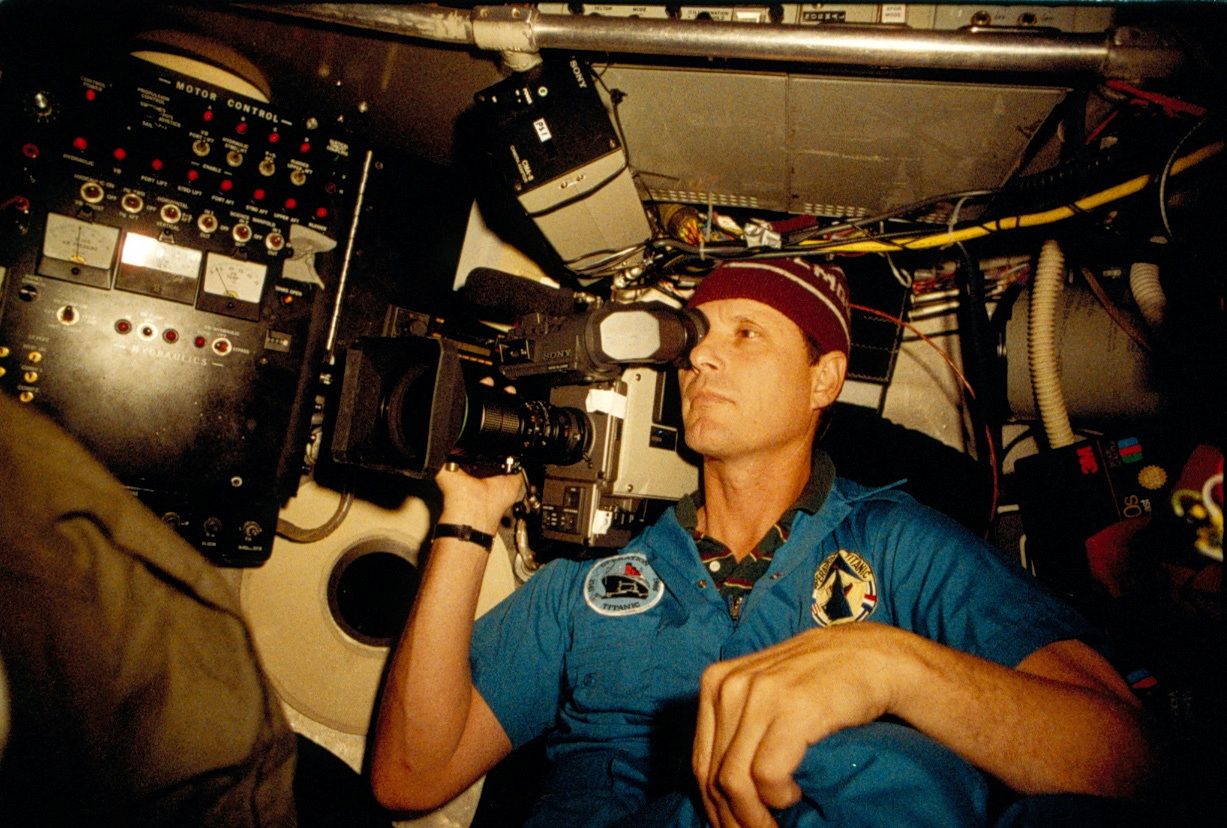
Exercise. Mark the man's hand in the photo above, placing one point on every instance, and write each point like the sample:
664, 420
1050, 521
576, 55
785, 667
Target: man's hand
479, 502
759, 713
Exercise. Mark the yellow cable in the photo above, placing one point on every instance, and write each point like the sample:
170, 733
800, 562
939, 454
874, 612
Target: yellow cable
1082, 205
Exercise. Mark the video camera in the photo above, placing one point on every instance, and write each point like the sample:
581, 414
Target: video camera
590, 405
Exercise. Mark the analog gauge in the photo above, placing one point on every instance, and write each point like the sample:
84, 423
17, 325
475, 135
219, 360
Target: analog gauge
80, 242
157, 268
146, 252
234, 278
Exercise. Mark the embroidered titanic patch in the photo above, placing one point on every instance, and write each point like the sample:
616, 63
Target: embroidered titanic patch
623, 585
845, 589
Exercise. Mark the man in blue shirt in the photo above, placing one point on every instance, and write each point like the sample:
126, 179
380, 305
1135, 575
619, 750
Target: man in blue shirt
783, 646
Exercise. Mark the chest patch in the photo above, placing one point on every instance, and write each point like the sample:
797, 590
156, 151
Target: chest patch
845, 589
623, 585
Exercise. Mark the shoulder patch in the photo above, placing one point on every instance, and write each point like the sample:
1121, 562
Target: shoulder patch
623, 585
845, 589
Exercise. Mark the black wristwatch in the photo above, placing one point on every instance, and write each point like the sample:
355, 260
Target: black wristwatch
463, 532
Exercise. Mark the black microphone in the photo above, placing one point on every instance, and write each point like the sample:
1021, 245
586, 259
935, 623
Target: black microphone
490, 288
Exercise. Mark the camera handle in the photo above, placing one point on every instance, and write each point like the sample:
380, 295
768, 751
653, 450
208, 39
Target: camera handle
524, 562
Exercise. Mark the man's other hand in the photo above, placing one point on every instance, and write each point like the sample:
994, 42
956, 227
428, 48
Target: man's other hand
759, 713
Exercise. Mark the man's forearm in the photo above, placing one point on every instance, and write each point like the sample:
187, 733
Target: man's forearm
427, 748
1062, 722
435, 734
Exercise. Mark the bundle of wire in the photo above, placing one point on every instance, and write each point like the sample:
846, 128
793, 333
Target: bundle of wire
832, 239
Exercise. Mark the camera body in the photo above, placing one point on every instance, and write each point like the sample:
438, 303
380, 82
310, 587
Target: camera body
636, 458
596, 408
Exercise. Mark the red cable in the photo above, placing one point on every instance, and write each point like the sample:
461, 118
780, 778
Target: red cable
971, 392
1171, 106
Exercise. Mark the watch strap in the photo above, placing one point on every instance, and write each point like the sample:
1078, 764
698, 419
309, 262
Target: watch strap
463, 532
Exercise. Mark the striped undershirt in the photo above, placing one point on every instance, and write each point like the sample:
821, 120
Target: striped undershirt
736, 579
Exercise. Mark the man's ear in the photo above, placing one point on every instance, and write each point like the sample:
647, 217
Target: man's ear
827, 378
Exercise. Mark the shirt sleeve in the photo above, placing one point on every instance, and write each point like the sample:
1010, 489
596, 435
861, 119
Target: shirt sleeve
518, 649
950, 586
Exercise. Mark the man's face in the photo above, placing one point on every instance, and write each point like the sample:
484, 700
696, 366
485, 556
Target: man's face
750, 387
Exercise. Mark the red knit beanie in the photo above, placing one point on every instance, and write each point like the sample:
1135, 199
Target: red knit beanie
815, 297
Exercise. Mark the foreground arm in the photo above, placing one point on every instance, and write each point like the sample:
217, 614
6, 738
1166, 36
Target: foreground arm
1063, 721
436, 735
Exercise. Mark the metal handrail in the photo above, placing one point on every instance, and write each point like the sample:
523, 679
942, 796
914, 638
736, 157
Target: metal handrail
523, 31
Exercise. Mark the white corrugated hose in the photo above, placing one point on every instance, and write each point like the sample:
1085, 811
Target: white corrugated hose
1148, 293
1042, 358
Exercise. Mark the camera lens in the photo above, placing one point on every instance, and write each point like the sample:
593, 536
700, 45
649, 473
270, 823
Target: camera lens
499, 425
435, 408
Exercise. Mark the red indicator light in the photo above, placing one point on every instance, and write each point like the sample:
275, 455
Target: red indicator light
90, 94
192, 175
30, 151
258, 195
241, 127
291, 203
123, 326
304, 147
274, 137
156, 163
120, 153
287, 299
227, 185
80, 144
208, 115
321, 212
200, 342
170, 335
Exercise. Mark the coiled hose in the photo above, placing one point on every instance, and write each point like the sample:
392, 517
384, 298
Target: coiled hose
1042, 358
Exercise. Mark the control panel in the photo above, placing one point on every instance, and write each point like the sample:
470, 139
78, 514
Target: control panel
169, 256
